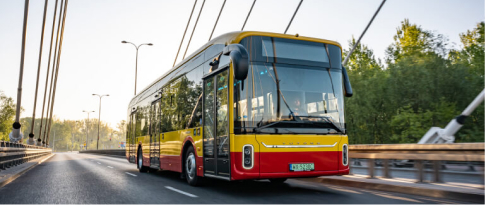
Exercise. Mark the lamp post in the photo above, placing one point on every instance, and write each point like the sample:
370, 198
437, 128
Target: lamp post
99, 118
136, 66
87, 129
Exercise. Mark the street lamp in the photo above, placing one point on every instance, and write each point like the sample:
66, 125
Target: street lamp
99, 118
137, 47
87, 129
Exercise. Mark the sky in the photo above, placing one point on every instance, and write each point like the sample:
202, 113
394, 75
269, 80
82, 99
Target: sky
93, 59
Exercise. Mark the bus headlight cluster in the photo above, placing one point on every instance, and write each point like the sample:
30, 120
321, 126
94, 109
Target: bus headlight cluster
248, 156
345, 155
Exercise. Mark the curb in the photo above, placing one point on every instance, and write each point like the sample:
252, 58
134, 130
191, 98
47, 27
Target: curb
26, 169
460, 196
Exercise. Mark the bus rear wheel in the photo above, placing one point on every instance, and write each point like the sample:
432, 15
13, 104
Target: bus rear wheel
190, 168
140, 166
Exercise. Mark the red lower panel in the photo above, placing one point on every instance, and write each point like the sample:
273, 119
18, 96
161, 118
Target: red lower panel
276, 165
237, 170
274, 162
172, 163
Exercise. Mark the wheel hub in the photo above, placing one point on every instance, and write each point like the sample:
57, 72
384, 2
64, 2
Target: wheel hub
190, 166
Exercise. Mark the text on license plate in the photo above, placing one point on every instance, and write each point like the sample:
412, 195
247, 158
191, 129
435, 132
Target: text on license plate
302, 167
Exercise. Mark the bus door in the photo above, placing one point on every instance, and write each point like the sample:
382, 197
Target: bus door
216, 126
131, 141
155, 135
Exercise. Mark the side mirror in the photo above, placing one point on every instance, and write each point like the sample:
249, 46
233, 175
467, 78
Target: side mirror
240, 59
347, 86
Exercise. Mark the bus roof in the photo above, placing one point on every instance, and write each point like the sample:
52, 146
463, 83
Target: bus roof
231, 38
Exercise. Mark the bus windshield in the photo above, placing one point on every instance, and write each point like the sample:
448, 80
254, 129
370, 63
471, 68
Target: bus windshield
309, 98
293, 86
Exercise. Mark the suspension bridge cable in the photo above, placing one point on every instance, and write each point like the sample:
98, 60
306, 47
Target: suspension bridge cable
57, 66
294, 14
192, 12
31, 135
16, 125
222, 7
247, 17
368, 25
195, 26
47, 120
39, 140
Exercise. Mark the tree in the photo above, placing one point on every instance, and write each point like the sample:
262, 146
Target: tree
7, 114
423, 85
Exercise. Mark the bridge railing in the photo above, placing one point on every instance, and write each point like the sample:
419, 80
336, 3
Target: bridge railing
419, 156
13, 154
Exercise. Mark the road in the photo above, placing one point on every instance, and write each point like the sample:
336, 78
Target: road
82, 178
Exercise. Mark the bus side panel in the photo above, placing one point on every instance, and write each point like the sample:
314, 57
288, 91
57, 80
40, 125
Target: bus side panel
170, 147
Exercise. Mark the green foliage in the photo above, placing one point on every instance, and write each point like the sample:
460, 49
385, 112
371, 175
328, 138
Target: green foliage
419, 88
7, 114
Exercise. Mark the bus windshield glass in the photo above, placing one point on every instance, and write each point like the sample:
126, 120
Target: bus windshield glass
287, 93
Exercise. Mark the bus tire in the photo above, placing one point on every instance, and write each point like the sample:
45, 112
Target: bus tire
190, 167
139, 163
278, 180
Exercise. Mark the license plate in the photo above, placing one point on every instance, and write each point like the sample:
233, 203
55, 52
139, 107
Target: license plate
302, 167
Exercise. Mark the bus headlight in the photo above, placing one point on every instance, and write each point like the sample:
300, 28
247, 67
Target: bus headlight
248, 156
345, 155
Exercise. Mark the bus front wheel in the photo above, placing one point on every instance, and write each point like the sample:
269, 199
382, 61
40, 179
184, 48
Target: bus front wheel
190, 167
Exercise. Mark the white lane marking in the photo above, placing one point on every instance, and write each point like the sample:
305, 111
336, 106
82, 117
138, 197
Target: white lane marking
110, 167
179, 191
130, 174
98, 162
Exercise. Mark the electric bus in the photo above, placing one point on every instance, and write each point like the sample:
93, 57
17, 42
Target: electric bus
246, 105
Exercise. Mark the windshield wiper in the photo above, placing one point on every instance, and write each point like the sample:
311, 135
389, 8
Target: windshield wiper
259, 128
327, 120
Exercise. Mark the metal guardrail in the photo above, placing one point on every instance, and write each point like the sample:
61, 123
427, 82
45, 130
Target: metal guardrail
13, 154
418, 154
117, 152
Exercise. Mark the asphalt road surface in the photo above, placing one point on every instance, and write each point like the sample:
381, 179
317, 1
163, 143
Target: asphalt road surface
82, 178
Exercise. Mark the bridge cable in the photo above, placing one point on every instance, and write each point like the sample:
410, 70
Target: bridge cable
47, 120
294, 14
247, 17
16, 125
57, 67
195, 26
224, 3
31, 135
39, 140
357, 43
184, 33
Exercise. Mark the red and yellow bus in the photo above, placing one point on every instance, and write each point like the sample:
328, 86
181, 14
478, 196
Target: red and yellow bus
247, 105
